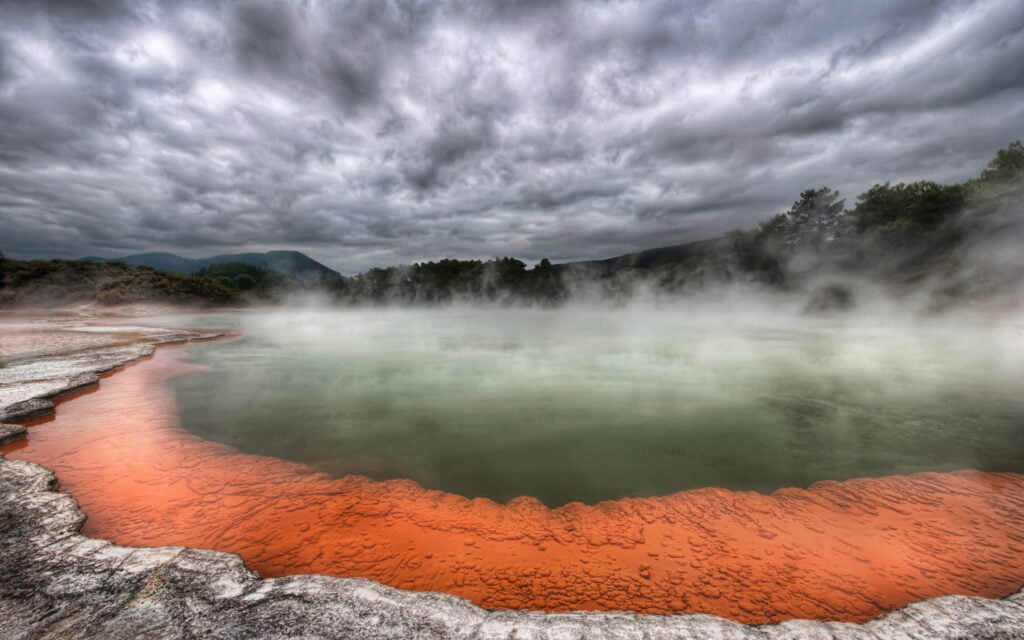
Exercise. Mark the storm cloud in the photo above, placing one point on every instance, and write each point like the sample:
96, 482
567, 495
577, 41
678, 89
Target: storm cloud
373, 133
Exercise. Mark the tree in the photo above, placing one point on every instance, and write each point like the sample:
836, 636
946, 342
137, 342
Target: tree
1001, 183
244, 277
903, 213
996, 194
245, 282
815, 219
1007, 165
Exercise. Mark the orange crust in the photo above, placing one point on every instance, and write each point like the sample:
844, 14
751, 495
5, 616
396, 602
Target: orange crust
845, 551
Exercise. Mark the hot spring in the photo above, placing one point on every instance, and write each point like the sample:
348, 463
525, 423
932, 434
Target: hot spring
758, 466
591, 405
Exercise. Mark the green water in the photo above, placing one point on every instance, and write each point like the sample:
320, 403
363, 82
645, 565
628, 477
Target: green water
587, 406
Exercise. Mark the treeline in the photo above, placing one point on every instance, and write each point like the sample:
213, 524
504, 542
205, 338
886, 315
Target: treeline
901, 236
61, 282
240, 277
946, 242
447, 280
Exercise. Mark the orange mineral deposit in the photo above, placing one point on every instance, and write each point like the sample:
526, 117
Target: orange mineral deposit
845, 551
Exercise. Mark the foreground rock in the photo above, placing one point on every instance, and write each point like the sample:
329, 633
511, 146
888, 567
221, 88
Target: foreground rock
10, 432
57, 583
54, 582
41, 361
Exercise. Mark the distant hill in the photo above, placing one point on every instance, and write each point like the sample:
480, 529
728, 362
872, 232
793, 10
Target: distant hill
289, 263
52, 283
646, 259
162, 261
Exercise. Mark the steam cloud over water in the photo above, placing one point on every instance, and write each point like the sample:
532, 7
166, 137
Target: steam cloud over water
589, 404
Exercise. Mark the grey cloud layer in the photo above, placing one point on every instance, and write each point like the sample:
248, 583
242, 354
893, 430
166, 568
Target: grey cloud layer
371, 133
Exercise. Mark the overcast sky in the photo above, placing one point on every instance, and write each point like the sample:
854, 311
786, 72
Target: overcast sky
374, 133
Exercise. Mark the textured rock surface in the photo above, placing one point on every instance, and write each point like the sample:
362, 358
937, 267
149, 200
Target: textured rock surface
40, 361
55, 582
10, 432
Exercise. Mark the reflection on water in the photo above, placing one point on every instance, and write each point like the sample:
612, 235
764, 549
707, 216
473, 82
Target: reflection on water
567, 406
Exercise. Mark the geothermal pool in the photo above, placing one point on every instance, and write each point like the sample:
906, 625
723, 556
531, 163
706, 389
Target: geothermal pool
592, 405
363, 443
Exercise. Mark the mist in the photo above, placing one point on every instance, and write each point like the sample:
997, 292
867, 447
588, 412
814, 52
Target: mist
832, 342
920, 248
587, 402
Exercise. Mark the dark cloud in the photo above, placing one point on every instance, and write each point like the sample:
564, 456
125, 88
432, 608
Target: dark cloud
266, 37
77, 9
376, 132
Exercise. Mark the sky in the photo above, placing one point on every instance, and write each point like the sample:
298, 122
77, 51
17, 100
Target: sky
376, 133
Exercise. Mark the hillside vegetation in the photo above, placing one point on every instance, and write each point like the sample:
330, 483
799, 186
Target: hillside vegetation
942, 243
60, 282
294, 265
939, 242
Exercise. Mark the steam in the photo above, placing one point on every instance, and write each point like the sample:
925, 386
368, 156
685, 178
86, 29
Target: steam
817, 258
737, 387
806, 351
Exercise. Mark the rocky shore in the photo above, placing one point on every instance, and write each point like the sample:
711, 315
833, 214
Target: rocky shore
55, 582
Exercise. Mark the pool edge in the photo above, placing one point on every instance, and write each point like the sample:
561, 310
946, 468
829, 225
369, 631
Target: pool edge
53, 580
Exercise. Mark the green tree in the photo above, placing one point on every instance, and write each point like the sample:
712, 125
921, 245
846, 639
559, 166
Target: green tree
904, 213
245, 282
1007, 165
814, 219
996, 194
225, 281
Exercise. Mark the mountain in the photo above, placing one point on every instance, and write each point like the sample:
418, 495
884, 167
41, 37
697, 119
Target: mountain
162, 261
289, 263
646, 259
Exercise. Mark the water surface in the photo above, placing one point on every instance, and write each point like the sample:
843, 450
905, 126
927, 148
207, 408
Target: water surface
587, 405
